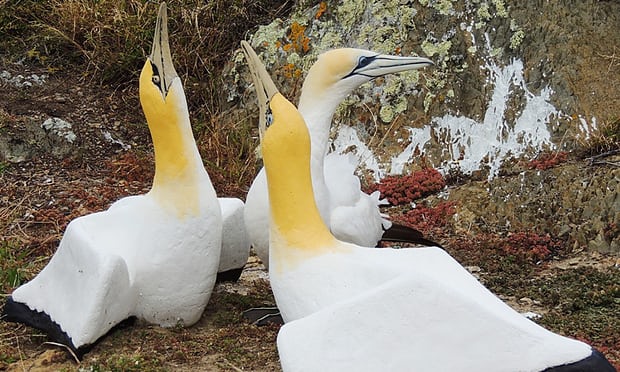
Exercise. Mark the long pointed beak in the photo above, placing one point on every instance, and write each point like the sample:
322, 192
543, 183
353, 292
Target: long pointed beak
383, 64
160, 57
265, 88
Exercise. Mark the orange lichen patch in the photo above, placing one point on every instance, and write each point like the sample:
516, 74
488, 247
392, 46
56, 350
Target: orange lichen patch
298, 41
290, 71
322, 9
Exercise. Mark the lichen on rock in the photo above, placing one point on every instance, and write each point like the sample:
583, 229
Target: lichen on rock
510, 80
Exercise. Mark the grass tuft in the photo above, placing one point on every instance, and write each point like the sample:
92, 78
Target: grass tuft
603, 139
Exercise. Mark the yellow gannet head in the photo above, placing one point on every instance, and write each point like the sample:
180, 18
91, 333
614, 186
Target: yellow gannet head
177, 161
344, 69
158, 74
282, 128
285, 145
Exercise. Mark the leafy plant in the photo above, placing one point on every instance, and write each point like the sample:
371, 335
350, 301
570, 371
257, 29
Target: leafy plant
403, 189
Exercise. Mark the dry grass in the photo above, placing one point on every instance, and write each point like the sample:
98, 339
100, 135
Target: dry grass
603, 138
111, 38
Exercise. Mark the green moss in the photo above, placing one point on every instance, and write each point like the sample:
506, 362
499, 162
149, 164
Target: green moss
428, 99
393, 87
444, 7
483, 12
401, 105
266, 37
410, 78
500, 8
407, 16
441, 48
386, 114
381, 38
350, 12
516, 39
293, 58
327, 41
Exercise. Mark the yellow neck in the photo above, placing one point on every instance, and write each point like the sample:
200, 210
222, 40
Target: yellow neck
176, 182
296, 224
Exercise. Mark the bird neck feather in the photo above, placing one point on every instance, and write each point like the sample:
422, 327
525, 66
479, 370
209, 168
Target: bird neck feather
296, 224
178, 167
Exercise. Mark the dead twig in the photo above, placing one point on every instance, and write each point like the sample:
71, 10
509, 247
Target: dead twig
593, 159
613, 164
77, 360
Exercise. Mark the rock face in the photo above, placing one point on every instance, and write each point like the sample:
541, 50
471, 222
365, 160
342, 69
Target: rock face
576, 201
512, 80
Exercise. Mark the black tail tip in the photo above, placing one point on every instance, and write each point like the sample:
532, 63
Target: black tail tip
18, 312
596, 362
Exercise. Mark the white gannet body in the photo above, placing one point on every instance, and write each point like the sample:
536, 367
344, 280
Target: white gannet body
349, 308
152, 256
235, 240
351, 214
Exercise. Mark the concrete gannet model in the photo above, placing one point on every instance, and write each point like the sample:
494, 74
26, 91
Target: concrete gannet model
152, 256
349, 308
351, 214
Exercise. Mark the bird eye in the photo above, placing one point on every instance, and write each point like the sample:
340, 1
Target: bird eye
156, 79
364, 61
268, 117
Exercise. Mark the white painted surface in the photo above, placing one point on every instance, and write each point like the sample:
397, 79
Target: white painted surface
235, 242
402, 310
471, 144
136, 258
153, 256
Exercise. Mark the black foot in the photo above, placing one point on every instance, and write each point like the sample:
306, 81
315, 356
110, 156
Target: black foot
229, 276
261, 316
18, 312
596, 362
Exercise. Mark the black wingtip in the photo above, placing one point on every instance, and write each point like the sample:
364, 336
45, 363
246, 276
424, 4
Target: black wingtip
18, 312
404, 234
596, 362
262, 316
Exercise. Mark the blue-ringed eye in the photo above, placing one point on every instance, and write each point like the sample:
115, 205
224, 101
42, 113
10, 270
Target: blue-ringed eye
364, 61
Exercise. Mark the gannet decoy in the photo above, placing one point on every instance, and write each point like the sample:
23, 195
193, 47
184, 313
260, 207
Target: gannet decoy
350, 308
235, 240
351, 214
152, 256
